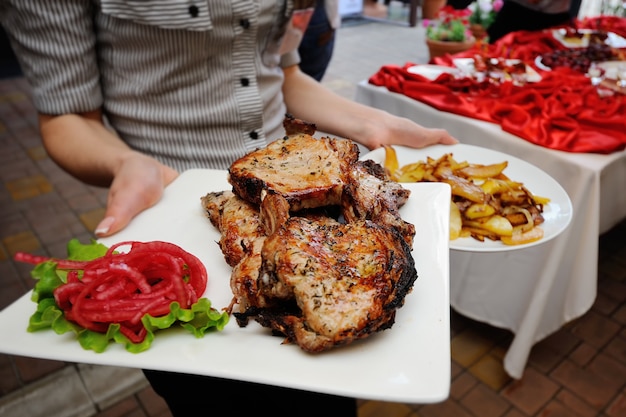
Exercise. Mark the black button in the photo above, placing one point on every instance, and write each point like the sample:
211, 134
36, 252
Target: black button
245, 82
254, 135
245, 23
194, 11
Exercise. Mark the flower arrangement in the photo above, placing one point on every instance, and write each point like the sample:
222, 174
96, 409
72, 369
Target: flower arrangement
483, 12
451, 25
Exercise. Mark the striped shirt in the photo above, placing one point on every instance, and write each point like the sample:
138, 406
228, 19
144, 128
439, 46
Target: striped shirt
193, 83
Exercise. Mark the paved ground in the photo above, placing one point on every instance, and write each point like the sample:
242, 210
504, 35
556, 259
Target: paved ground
578, 371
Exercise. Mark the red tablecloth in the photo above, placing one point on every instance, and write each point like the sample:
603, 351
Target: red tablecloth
562, 111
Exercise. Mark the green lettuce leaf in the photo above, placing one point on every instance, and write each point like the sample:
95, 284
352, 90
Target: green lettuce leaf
48, 277
77, 251
199, 320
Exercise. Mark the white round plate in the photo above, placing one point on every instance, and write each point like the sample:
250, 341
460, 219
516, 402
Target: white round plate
466, 65
613, 40
430, 71
557, 214
610, 68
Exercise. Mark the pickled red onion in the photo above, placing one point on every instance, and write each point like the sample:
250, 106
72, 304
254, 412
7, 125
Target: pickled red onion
121, 287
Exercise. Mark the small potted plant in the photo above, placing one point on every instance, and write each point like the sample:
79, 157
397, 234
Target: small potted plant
449, 33
430, 8
483, 13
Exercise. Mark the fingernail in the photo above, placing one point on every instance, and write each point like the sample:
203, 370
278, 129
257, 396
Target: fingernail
104, 226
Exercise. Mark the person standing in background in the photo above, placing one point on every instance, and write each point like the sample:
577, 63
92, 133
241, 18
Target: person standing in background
574, 8
528, 15
316, 48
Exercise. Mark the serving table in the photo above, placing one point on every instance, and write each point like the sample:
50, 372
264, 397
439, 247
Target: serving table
559, 124
534, 291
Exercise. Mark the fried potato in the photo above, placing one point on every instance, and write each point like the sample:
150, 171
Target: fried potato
412, 173
520, 237
456, 223
463, 188
476, 211
484, 171
495, 224
391, 161
485, 204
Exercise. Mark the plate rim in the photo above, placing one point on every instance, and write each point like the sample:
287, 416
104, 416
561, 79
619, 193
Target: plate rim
539, 63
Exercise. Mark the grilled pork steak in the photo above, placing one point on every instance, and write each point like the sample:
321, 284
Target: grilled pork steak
369, 194
317, 245
295, 126
237, 220
306, 171
347, 281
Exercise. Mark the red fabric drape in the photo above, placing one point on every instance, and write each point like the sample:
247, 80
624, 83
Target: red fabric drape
562, 111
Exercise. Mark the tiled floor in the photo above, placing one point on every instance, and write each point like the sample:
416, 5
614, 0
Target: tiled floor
578, 371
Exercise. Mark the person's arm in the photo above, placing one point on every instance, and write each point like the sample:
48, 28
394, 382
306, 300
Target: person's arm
55, 41
83, 146
309, 100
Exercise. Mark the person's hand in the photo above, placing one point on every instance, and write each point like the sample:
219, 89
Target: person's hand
138, 184
395, 130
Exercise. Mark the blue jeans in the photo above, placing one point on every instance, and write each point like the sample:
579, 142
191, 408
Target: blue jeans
317, 44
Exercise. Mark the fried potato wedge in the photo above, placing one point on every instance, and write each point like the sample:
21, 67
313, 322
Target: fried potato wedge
456, 223
486, 203
464, 188
494, 224
484, 171
533, 235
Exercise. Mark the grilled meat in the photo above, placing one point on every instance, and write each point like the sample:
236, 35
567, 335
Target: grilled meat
317, 245
238, 221
274, 211
295, 126
244, 282
346, 280
369, 194
306, 171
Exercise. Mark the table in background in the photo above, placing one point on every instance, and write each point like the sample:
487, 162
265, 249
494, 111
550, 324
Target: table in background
532, 291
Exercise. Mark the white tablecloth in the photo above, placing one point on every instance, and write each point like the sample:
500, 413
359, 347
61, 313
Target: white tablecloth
532, 291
